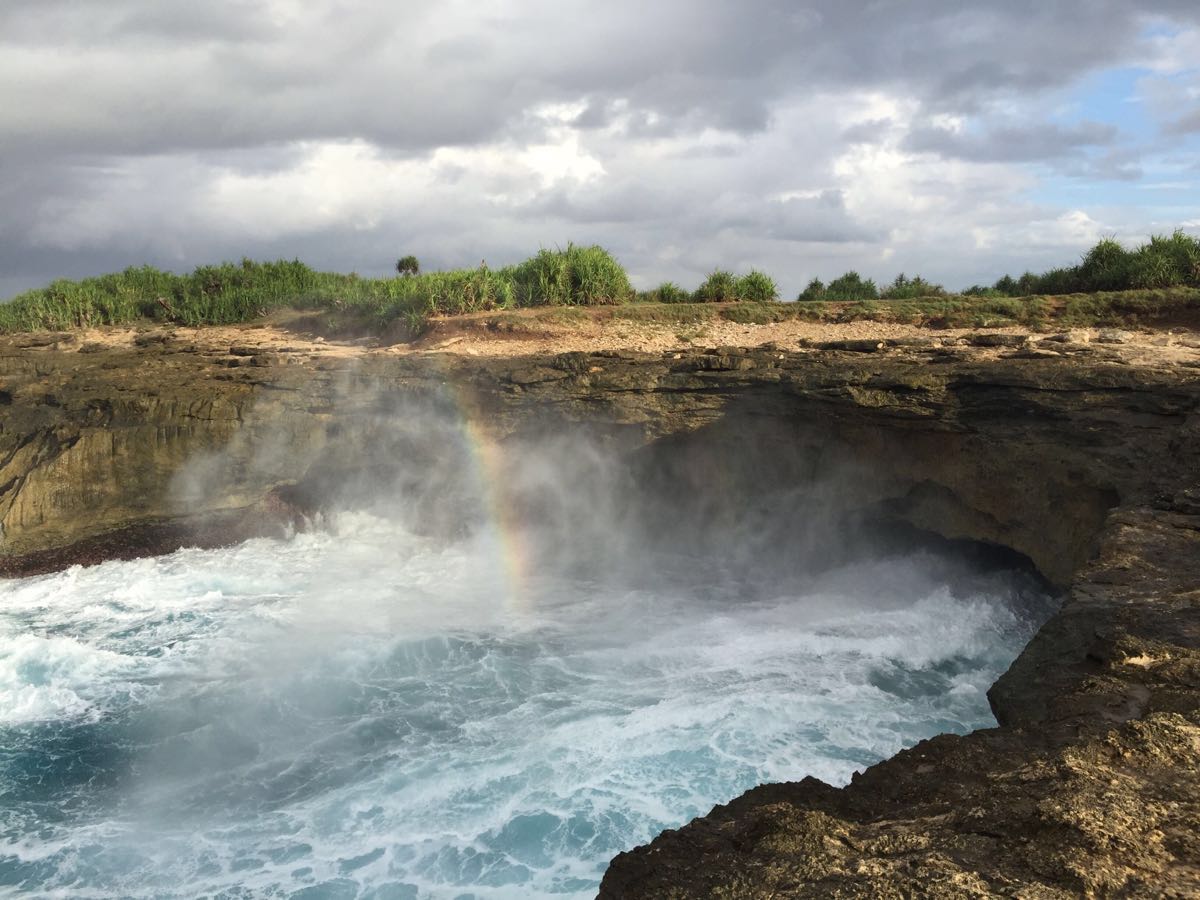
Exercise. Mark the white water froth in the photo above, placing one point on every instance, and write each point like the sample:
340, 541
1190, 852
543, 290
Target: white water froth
362, 712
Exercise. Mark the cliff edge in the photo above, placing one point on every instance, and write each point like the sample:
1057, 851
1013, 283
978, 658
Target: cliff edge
1079, 452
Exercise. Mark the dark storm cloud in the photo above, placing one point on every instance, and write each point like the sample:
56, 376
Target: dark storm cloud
1013, 143
687, 214
131, 76
120, 117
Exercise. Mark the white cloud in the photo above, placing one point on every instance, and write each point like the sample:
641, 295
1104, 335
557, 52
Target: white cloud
683, 135
1173, 50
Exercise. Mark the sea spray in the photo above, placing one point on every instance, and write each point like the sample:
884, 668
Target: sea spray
359, 712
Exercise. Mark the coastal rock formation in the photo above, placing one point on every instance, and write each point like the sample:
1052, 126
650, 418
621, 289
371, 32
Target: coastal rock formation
1090, 787
164, 440
1086, 460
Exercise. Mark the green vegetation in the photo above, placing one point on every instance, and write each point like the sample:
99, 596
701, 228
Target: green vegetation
722, 286
210, 295
757, 287
577, 276
667, 292
238, 292
698, 313
1158, 281
905, 288
814, 292
1163, 262
850, 286
1118, 309
719, 287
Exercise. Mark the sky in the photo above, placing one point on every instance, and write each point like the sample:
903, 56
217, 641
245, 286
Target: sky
956, 140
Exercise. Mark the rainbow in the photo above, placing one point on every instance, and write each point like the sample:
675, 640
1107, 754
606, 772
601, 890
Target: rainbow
487, 457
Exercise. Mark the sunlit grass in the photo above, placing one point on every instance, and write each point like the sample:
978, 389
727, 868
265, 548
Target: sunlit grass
239, 292
1168, 268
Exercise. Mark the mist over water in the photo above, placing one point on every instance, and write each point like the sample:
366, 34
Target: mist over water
490, 707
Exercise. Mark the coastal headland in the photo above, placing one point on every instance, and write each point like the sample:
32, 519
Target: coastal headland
1077, 449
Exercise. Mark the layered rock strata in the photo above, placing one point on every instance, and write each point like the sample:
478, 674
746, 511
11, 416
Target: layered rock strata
1086, 460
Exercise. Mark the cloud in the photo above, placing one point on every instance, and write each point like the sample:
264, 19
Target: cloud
1012, 143
681, 134
1185, 124
138, 76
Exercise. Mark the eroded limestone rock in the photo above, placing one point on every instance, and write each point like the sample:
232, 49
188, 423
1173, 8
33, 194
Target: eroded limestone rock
1086, 462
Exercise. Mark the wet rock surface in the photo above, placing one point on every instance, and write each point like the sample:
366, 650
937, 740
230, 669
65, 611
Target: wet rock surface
1024, 453
1090, 787
1085, 459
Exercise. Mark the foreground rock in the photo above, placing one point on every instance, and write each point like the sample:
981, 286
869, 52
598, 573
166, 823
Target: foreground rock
1084, 459
1091, 787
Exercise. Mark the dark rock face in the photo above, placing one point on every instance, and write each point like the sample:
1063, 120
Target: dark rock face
1026, 454
1086, 464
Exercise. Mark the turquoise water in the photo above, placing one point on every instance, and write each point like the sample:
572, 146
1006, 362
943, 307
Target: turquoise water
363, 712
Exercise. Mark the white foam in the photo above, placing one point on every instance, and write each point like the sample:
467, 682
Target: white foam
294, 706
47, 678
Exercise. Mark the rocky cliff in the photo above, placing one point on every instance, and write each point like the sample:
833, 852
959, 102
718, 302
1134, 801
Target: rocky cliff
1082, 457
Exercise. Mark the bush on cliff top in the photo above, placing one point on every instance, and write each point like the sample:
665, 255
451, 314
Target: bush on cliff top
230, 292
722, 286
1110, 285
577, 276
667, 292
851, 286
238, 292
1163, 262
905, 288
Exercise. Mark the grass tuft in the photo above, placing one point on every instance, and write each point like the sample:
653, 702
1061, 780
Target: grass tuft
722, 286
1111, 286
239, 292
1164, 262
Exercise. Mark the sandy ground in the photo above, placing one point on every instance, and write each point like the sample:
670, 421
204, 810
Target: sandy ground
474, 337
